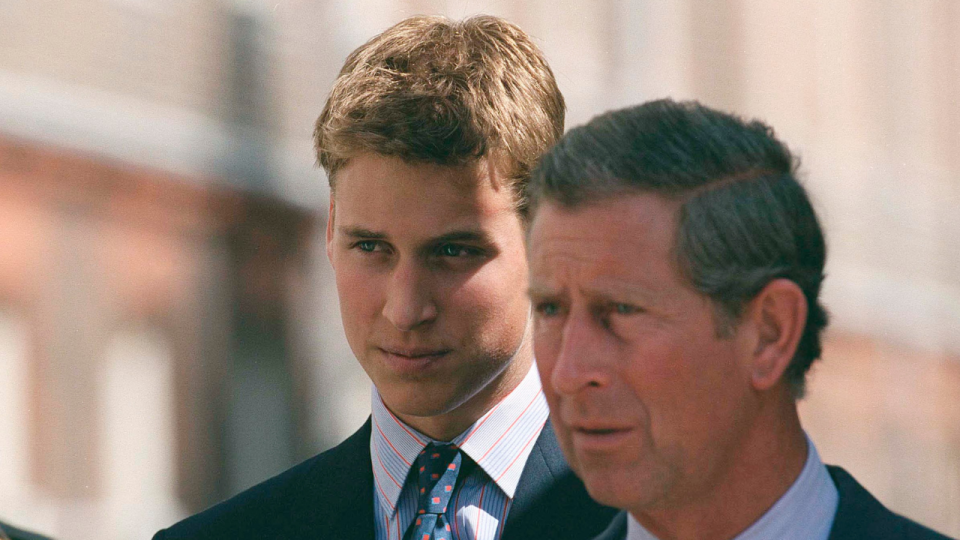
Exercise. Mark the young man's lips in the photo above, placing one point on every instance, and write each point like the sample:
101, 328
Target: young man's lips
414, 354
411, 362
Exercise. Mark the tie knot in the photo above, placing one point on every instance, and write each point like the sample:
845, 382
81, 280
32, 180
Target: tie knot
438, 466
434, 453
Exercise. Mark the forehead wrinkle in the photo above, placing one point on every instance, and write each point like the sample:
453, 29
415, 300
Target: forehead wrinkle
611, 286
608, 289
595, 287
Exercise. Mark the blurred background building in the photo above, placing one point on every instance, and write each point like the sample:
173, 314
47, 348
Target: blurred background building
169, 331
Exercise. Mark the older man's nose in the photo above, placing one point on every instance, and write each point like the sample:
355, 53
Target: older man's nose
580, 363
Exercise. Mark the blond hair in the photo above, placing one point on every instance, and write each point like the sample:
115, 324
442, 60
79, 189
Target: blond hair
430, 90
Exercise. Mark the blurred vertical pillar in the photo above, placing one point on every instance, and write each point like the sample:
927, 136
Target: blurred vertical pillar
71, 327
14, 425
682, 49
266, 248
654, 50
138, 422
716, 34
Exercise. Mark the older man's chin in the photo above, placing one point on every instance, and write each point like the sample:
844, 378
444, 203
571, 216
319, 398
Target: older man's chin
613, 486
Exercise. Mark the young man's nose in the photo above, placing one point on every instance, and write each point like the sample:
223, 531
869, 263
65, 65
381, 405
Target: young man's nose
409, 302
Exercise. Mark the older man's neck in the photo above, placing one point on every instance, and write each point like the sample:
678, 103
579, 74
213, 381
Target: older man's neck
760, 471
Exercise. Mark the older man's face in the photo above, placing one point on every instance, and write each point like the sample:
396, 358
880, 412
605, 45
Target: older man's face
647, 402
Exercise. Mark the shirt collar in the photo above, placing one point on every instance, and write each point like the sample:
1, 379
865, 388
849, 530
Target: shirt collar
804, 512
499, 441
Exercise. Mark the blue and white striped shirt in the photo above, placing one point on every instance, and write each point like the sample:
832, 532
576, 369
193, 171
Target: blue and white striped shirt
499, 443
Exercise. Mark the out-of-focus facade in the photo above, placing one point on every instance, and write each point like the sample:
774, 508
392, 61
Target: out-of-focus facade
169, 330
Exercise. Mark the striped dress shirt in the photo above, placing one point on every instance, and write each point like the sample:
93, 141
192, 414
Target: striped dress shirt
499, 443
804, 512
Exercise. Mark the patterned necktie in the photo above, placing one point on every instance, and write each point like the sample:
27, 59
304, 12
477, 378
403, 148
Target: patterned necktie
437, 470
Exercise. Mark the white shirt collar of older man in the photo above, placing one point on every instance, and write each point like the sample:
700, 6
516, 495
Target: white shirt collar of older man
499, 442
805, 512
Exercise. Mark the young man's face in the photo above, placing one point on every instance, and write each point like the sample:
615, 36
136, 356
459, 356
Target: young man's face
647, 402
432, 277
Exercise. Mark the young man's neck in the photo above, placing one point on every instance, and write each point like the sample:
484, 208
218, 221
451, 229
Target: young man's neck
765, 468
447, 426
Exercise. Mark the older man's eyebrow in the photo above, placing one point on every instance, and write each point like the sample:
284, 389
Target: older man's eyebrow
541, 291
618, 289
361, 232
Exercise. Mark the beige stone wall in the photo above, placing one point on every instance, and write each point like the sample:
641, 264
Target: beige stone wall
165, 53
890, 416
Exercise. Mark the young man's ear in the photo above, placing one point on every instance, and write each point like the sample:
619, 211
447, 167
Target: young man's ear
779, 315
330, 227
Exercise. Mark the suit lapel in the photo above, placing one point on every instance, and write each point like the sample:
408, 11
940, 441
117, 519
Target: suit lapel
617, 529
337, 499
350, 491
550, 501
534, 484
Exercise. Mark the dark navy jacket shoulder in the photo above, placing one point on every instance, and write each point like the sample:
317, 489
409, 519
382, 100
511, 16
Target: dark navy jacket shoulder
312, 500
330, 496
14, 533
860, 516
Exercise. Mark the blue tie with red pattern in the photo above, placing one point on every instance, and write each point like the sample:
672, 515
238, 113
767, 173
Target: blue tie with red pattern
437, 468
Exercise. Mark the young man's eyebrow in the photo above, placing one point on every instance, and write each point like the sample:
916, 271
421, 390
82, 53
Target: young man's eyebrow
461, 236
360, 232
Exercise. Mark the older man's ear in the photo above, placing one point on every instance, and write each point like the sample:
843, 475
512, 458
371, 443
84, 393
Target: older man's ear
778, 315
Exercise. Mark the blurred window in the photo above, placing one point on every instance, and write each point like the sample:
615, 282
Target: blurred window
14, 409
138, 434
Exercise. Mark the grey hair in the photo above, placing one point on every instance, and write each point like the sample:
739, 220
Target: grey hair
744, 220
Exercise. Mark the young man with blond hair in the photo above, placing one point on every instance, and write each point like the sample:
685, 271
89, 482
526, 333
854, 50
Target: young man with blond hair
428, 139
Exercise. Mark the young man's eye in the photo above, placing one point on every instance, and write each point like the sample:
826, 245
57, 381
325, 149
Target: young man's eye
454, 250
368, 246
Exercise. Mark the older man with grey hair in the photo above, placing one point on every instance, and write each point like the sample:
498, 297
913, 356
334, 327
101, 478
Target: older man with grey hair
676, 265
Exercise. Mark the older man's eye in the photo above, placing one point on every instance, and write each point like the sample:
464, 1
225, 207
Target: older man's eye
547, 309
625, 309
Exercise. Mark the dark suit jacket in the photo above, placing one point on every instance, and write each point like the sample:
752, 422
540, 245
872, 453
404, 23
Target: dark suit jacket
14, 533
330, 497
859, 517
